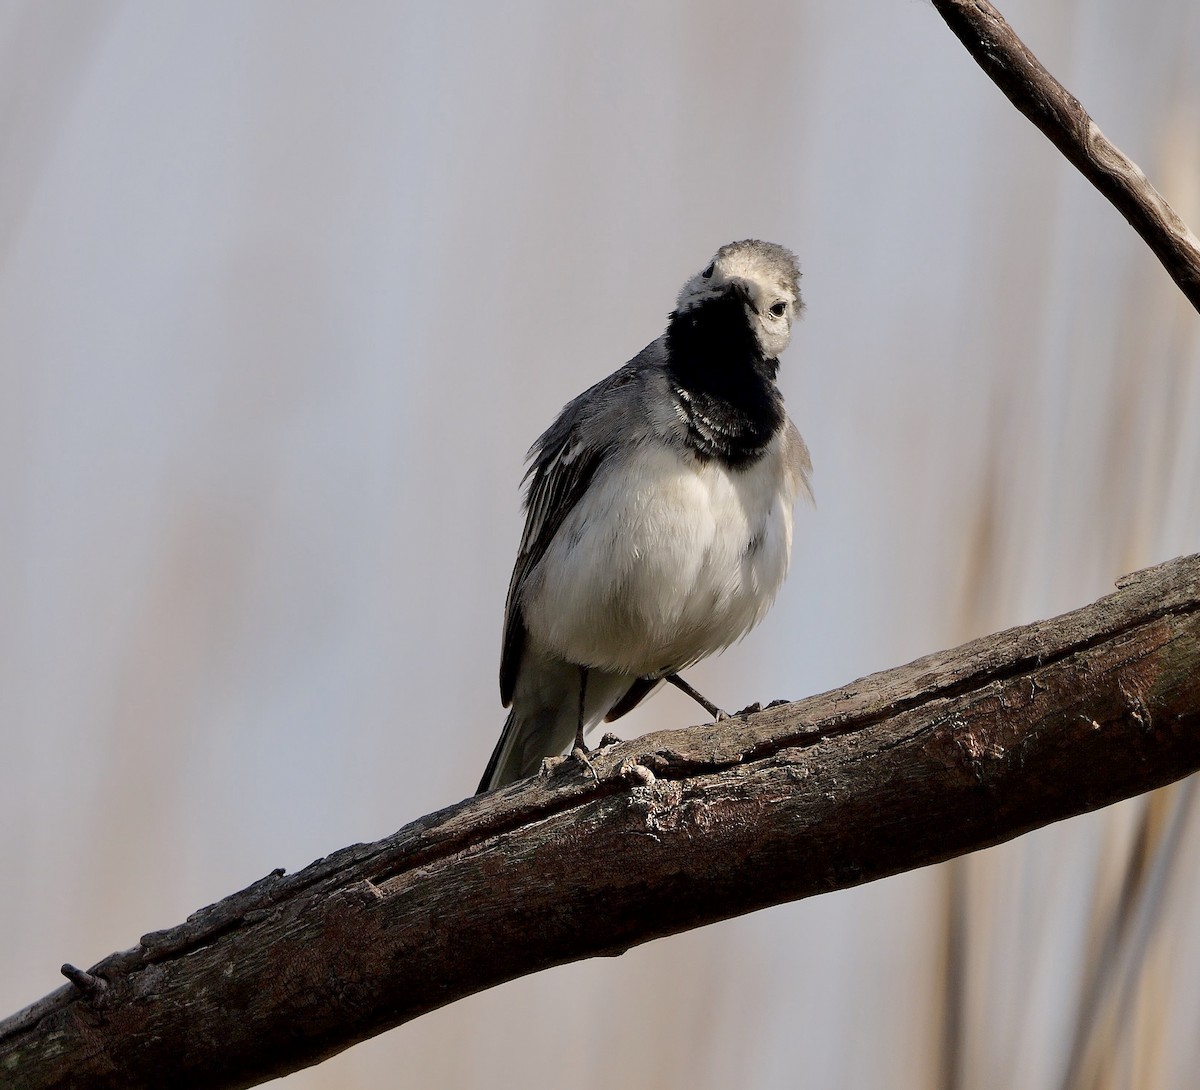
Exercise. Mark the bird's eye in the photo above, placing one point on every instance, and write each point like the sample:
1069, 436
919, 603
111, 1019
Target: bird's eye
779, 309
707, 274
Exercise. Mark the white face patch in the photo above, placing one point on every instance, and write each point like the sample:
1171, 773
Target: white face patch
768, 276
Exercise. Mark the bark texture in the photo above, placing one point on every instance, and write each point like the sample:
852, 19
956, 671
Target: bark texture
954, 752
1011, 65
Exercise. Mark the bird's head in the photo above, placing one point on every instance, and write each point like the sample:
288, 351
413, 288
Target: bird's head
764, 277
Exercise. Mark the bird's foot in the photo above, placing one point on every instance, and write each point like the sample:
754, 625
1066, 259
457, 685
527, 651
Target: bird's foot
553, 766
580, 753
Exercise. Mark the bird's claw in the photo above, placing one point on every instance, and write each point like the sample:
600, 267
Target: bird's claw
580, 753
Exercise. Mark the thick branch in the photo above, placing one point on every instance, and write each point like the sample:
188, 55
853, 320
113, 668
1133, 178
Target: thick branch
1054, 110
960, 750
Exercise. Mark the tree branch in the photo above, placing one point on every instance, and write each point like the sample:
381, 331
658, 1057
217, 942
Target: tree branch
1053, 109
954, 752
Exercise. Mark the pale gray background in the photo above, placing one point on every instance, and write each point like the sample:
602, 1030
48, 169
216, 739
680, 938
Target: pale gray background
287, 289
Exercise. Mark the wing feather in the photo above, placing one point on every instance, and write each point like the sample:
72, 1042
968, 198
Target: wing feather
562, 463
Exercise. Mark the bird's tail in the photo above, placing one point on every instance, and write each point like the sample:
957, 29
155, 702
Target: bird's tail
525, 742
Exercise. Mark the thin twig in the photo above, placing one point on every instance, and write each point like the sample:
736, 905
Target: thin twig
1052, 108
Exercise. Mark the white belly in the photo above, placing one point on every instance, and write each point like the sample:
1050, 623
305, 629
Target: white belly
666, 560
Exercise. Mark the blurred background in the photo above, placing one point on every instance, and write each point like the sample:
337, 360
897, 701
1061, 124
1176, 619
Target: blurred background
288, 288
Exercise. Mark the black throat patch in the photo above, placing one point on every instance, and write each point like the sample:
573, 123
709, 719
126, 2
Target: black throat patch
724, 385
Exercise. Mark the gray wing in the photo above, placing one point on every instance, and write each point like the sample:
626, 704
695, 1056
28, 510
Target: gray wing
562, 463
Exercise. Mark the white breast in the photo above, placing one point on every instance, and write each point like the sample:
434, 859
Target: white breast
664, 561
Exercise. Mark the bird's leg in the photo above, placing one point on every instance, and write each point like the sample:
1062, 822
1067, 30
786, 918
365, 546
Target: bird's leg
579, 742
580, 749
707, 705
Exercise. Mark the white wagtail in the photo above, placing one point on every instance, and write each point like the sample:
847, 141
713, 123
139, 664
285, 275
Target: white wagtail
658, 520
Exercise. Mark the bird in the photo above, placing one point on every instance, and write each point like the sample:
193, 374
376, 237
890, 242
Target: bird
658, 514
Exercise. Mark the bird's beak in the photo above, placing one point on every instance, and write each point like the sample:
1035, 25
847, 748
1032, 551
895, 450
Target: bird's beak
741, 290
